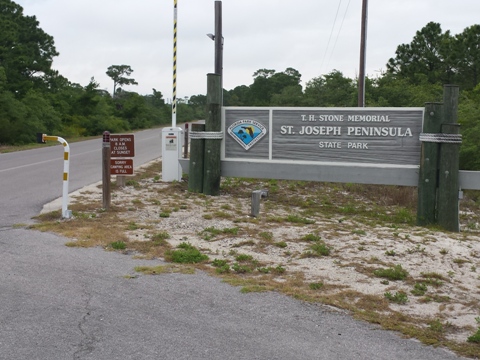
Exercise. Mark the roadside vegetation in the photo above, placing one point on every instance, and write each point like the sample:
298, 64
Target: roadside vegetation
35, 97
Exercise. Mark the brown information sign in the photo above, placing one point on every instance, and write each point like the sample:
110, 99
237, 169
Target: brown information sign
122, 146
121, 166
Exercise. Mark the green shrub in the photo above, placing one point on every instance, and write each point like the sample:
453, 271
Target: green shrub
419, 289
186, 254
118, 245
399, 297
311, 237
395, 273
475, 338
320, 249
315, 286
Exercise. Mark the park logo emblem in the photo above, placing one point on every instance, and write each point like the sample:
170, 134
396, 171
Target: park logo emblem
247, 132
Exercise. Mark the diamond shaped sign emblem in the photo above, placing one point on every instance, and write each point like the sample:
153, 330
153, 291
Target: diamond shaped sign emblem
247, 132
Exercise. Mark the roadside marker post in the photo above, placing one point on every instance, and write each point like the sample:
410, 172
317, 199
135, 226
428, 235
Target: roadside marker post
42, 138
106, 192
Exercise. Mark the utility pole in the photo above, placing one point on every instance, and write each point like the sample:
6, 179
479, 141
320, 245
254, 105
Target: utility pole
363, 54
219, 45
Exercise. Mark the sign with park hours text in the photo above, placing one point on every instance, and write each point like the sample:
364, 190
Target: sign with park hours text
122, 146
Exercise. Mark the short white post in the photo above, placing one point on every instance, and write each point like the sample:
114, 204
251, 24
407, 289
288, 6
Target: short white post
67, 214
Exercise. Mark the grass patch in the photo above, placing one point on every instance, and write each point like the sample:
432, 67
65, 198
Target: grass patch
419, 289
398, 298
317, 250
242, 268
433, 279
244, 258
211, 232
311, 238
165, 269
266, 235
392, 273
185, 254
118, 245
315, 286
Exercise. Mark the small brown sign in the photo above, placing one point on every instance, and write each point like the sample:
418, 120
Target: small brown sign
122, 146
121, 166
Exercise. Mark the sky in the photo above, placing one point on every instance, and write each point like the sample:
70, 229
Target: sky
314, 37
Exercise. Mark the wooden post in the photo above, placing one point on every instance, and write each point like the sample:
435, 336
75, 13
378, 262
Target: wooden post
195, 167
211, 175
106, 170
363, 55
428, 177
448, 183
185, 142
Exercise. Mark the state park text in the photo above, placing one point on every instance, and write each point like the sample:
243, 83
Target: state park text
338, 135
349, 131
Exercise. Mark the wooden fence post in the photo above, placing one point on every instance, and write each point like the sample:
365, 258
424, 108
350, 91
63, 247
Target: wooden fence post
448, 182
428, 176
212, 166
196, 163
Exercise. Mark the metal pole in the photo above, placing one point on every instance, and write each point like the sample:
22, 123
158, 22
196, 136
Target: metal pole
67, 214
363, 52
174, 99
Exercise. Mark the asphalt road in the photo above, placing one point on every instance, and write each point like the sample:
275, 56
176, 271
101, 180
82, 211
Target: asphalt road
62, 303
29, 179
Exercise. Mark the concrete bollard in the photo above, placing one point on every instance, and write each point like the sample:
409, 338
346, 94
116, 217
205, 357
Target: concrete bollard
256, 196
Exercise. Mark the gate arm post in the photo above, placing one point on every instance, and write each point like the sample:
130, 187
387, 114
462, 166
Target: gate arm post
66, 214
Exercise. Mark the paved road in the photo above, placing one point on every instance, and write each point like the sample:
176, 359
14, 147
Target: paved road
65, 303
29, 179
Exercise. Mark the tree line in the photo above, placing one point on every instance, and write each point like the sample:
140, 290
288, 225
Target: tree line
36, 98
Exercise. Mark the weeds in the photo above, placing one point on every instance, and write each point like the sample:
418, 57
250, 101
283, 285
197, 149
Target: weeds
317, 249
311, 237
393, 273
186, 254
118, 245
475, 338
315, 286
419, 289
399, 297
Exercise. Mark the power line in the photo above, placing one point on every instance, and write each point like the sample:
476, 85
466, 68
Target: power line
331, 33
338, 34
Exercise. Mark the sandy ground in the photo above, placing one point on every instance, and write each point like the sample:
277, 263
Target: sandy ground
356, 249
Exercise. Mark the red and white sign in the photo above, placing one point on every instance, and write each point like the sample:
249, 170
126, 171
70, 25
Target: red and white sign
121, 166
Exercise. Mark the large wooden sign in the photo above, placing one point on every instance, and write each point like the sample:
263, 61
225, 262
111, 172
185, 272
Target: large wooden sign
387, 136
122, 145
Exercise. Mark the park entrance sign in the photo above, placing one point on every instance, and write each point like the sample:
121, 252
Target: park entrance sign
380, 136
381, 146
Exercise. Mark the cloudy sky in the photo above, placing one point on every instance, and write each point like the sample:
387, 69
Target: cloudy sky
312, 36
